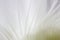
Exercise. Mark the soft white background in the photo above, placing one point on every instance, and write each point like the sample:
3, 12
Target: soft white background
20, 17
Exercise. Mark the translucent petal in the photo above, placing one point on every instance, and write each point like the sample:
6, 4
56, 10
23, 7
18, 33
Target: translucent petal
22, 18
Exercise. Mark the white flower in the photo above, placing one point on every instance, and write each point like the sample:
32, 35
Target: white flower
28, 19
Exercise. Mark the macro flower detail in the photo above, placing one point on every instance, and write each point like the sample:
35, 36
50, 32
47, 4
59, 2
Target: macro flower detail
29, 20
